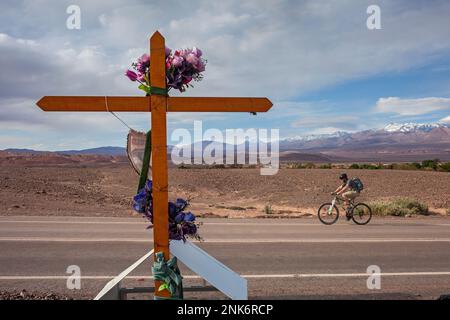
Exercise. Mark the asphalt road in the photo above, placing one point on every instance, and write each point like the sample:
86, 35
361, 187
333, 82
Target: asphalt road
281, 259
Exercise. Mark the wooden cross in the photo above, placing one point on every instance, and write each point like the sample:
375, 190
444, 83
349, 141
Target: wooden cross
158, 105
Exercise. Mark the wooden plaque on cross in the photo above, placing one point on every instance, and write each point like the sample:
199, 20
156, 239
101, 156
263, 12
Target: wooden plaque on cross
158, 105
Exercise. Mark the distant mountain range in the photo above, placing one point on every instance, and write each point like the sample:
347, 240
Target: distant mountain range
412, 132
390, 128
107, 151
394, 142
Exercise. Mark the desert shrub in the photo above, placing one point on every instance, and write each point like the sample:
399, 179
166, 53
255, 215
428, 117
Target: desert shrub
445, 167
432, 164
310, 165
295, 165
368, 166
406, 166
236, 208
325, 166
268, 209
416, 165
399, 207
354, 166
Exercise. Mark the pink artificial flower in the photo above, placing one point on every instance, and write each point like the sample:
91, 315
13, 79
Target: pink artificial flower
177, 60
145, 58
197, 52
141, 77
182, 52
131, 75
192, 59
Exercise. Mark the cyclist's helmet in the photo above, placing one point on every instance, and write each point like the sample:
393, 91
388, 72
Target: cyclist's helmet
343, 177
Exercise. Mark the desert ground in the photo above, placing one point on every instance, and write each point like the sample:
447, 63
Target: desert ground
56, 211
106, 189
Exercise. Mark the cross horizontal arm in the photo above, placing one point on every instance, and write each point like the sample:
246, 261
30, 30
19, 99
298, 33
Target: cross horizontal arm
102, 103
142, 104
208, 104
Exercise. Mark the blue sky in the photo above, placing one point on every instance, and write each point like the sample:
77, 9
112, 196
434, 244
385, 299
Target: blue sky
316, 60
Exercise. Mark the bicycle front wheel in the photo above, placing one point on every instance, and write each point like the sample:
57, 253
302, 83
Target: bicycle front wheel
328, 213
361, 214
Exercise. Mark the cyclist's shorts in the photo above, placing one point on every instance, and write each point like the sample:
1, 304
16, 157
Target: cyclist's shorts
350, 194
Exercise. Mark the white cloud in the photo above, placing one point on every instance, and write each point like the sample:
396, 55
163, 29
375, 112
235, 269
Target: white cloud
339, 122
280, 49
445, 120
412, 107
25, 117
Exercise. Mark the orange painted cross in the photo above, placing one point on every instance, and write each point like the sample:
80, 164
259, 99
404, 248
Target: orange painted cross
158, 105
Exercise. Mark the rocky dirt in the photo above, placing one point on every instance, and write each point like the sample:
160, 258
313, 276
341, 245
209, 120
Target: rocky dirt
106, 189
25, 295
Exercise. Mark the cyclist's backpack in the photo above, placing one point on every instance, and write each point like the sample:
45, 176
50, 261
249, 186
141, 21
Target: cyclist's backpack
357, 184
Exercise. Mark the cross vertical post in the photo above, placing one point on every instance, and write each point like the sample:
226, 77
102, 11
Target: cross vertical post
158, 107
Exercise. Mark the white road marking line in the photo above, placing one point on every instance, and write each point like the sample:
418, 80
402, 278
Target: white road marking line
252, 224
72, 222
209, 241
143, 222
322, 240
247, 276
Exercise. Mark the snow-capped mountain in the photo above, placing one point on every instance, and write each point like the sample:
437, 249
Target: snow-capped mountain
391, 128
410, 127
394, 142
311, 137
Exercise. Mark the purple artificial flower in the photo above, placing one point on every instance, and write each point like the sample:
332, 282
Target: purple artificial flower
143, 63
168, 51
189, 217
131, 75
189, 229
173, 210
186, 80
177, 61
145, 58
180, 217
192, 59
181, 204
200, 66
197, 51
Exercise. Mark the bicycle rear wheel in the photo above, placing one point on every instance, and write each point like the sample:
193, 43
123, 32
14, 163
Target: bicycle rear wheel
328, 213
361, 214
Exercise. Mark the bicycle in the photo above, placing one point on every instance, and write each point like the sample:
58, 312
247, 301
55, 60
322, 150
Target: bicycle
360, 213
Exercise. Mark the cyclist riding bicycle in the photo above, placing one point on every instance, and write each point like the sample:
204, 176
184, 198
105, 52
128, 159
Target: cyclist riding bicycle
348, 190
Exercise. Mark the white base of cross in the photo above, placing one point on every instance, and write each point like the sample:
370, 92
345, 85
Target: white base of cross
197, 260
213, 271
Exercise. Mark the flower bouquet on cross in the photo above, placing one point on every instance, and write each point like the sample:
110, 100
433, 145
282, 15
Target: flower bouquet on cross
182, 67
182, 223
